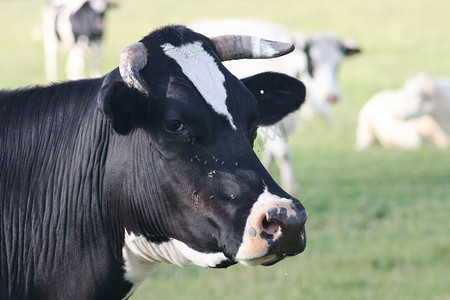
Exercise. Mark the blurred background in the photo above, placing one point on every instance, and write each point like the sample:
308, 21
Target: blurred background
378, 224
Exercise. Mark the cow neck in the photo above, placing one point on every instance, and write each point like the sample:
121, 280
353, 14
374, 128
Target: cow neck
132, 173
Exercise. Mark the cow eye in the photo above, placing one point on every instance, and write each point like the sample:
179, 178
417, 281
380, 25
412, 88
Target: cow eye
174, 125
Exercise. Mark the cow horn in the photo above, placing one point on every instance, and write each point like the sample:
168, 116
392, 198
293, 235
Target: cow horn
231, 47
132, 60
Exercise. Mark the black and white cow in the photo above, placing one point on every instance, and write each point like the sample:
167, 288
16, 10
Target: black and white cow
103, 179
75, 26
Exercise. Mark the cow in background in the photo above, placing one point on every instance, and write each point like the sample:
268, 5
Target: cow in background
77, 27
315, 62
409, 117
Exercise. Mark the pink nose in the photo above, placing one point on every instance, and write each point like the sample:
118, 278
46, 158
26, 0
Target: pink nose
331, 98
282, 228
274, 229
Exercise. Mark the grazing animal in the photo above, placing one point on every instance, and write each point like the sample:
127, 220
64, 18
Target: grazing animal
315, 61
77, 27
409, 117
103, 179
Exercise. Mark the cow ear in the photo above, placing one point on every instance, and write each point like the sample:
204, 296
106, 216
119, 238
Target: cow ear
277, 95
349, 47
120, 105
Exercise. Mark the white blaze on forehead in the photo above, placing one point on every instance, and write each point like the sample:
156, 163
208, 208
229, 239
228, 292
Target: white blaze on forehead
204, 73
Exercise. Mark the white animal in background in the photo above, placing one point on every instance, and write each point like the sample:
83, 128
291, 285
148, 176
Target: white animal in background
315, 61
409, 117
75, 26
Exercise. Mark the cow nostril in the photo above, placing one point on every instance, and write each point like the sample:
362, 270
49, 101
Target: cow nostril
270, 227
332, 98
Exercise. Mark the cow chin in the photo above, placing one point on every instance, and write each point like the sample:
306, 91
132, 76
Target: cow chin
267, 260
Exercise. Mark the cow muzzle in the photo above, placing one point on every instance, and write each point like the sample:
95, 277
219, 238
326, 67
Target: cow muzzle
332, 98
274, 230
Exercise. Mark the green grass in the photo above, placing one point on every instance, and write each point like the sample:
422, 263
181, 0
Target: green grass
378, 224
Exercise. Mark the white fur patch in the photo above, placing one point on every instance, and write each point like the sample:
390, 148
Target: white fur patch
136, 268
204, 73
142, 257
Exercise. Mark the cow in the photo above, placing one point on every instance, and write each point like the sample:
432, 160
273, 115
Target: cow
75, 27
103, 179
315, 61
408, 117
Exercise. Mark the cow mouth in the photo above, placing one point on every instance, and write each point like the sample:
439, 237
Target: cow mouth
259, 260
273, 258
277, 258
265, 261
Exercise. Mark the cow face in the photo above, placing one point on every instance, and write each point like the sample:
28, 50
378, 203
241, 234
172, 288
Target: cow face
88, 21
182, 170
418, 97
324, 53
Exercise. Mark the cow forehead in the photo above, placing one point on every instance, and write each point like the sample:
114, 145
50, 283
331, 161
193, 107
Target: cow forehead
326, 51
204, 73
99, 6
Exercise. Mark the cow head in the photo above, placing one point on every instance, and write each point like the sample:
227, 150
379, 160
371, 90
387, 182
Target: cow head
88, 20
417, 97
324, 53
182, 182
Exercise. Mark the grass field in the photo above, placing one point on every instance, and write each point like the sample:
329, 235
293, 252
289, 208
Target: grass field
379, 225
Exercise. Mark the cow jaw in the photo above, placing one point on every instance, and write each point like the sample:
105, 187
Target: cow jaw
141, 256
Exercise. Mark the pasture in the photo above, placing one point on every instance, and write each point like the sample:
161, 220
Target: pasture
379, 225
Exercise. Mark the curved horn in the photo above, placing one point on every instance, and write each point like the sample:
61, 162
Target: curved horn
133, 59
241, 46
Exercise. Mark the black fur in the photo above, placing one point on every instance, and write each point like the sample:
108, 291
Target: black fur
277, 95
